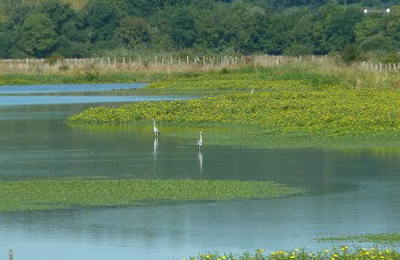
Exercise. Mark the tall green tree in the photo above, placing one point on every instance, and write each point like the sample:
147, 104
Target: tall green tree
38, 35
59, 13
134, 31
142, 8
333, 27
393, 26
6, 46
217, 28
101, 20
180, 24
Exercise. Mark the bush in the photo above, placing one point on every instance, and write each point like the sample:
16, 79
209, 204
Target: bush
298, 50
52, 59
351, 53
393, 57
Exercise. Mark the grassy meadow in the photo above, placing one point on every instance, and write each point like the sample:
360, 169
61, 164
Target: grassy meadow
83, 193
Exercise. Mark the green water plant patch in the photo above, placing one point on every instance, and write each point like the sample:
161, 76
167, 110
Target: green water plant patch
381, 238
81, 193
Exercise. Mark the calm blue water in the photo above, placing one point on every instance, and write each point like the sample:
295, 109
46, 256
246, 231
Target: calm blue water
48, 100
26, 89
359, 188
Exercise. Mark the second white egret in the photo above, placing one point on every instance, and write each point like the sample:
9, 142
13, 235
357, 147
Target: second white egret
200, 141
155, 130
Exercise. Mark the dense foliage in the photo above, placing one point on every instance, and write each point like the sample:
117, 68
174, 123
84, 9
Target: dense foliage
295, 27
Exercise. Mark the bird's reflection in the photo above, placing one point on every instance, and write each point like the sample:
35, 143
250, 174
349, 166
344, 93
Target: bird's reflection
200, 157
155, 148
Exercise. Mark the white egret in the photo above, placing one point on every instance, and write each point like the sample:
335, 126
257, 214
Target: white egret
252, 91
200, 141
155, 130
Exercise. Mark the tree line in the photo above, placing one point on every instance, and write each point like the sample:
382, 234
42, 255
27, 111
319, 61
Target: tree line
291, 27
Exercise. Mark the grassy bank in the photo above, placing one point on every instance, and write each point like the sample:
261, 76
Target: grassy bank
67, 194
327, 254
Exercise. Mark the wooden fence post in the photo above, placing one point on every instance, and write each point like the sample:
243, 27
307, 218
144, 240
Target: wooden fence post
10, 254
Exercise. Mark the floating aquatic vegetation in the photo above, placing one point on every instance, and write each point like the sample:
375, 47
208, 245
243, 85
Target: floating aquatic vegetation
80, 193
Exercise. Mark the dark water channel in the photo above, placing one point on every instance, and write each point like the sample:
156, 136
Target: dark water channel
359, 188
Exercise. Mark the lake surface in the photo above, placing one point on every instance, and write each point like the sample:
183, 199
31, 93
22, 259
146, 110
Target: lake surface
68, 88
358, 188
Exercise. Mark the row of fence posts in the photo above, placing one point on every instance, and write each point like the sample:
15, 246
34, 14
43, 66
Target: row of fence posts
126, 63
380, 66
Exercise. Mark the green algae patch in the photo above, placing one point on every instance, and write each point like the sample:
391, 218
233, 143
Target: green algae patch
82, 193
381, 238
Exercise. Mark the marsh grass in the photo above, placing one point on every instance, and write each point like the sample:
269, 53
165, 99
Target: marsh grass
82, 193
